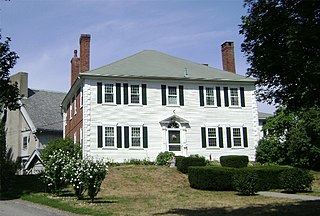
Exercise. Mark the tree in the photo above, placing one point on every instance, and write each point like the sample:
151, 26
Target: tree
9, 96
282, 46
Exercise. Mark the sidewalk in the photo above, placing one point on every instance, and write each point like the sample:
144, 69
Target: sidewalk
289, 196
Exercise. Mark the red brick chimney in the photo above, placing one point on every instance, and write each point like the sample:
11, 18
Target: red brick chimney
227, 50
75, 65
84, 52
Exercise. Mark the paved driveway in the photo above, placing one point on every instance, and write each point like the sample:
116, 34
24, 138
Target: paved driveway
19, 207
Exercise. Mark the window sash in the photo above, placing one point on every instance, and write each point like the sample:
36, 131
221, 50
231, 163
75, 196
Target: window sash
109, 93
172, 95
136, 136
25, 142
109, 136
135, 94
210, 96
212, 137
234, 97
236, 137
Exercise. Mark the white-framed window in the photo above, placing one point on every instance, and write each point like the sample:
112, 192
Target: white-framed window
136, 136
135, 94
75, 105
81, 136
109, 136
70, 110
172, 95
25, 142
234, 97
109, 93
236, 133
212, 137
81, 96
75, 138
210, 96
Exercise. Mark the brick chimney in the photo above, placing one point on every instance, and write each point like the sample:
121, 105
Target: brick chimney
21, 79
75, 66
227, 50
84, 52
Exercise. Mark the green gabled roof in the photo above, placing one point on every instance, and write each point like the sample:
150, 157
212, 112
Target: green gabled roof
150, 64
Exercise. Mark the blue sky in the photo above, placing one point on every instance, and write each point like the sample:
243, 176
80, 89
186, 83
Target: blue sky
44, 33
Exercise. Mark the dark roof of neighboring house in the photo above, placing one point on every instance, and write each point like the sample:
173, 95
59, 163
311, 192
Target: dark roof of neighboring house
43, 107
151, 64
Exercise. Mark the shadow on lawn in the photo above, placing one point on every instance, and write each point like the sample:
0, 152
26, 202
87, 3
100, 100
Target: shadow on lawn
292, 209
23, 184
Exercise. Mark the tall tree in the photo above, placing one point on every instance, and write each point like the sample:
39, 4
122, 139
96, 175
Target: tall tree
282, 46
9, 96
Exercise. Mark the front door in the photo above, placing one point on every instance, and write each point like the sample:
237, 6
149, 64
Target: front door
174, 140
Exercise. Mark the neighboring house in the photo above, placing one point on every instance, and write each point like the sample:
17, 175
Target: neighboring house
31, 127
262, 121
152, 102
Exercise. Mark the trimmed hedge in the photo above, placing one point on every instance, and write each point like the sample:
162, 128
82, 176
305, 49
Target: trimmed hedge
222, 178
235, 161
183, 163
296, 180
211, 178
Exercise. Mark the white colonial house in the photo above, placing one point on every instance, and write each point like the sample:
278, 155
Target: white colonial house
152, 102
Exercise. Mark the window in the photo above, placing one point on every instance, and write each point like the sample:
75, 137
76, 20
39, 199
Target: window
172, 95
234, 97
209, 96
236, 137
108, 93
109, 136
212, 137
135, 94
25, 143
81, 96
70, 109
135, 136
75, 105
75, 138
81, 136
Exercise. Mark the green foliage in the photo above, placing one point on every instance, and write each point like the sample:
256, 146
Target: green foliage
235, 161
183, 163
293, 138
163, 158
211, 178
296, 180
282, 46
246, 182
65, 145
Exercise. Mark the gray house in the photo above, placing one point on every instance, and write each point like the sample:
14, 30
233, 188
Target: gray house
30, 128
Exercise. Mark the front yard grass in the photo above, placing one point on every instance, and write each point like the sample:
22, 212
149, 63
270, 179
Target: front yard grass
156, 190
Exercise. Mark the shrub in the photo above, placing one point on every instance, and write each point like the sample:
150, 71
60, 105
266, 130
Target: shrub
163, 158
296, 180
139, 162
246, 182
235, 161
211, 178
183, 163
268, 176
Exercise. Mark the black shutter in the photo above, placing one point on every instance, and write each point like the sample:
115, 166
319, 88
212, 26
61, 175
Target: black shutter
203, 137
99, 92
245, 137
119, 137
201, 95
243, 103
218, 96
226, 96
181, 98
126, 136
100, 141
228, 137
125, 93
220, 137
163, 94
145, 137
118, 93
144, 94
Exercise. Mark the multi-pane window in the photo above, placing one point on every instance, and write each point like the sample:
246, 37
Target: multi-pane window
234, 97
25, 142
172, 95
135, 94
209, 96
212, 137
236, 134
108, 93
135, 136
109, 136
